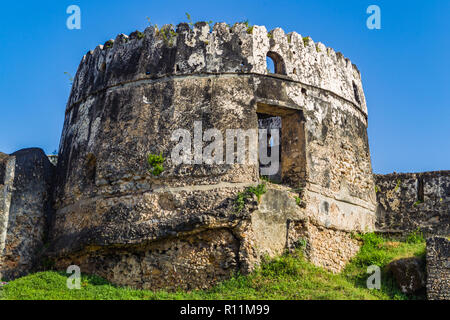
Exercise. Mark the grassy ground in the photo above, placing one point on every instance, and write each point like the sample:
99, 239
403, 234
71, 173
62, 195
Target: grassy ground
286, 277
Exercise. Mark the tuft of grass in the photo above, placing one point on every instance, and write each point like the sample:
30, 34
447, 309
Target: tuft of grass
190, 22
108, 44
306, 41
140, 35
168, 35
249, 27
258, 191
415, 236
398, 185
239, 202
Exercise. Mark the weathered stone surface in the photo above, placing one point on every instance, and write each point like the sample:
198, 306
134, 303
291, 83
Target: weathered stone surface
328, 248
194, 261
408, 201
25, 203
438, 268
409, 274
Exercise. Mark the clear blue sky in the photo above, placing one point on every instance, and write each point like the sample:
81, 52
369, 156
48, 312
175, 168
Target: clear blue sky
405, 65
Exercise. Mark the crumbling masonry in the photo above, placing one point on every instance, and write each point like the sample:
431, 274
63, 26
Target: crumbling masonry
181, 228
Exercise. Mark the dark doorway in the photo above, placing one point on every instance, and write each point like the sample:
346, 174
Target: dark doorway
291, 143
270, 123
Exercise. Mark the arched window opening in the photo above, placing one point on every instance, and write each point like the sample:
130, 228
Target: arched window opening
275, 63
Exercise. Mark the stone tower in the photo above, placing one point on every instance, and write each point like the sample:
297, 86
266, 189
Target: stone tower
181, 228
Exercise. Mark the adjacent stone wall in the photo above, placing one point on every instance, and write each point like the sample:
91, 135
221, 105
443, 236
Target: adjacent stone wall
25, 204
408, 201
438, 268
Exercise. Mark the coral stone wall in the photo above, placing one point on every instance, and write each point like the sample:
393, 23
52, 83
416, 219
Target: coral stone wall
128, 99
438, 268
25, 209
6, 165
325, 247
408, 201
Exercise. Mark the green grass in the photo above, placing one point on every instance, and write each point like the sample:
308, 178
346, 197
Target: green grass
286, 277
380, 251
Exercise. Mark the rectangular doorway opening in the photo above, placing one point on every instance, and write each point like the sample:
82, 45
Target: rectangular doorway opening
270, 123
290, 144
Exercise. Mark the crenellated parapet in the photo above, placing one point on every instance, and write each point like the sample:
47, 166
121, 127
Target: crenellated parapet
167, 52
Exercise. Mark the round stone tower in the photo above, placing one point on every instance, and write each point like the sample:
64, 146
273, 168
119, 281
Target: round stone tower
197, 222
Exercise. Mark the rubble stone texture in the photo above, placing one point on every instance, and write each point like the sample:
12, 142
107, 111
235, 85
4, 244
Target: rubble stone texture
438, 268
26, 177
411, 201
181, 229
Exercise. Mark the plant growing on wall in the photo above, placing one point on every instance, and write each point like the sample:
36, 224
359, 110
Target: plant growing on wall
140, 35
258, 191
168, 35
301, 243
305, 41
397, 186
190, 22
298, 199
151, 24
417, 203
108, 44
155, 162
